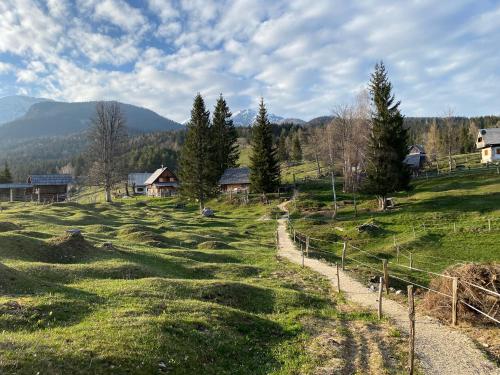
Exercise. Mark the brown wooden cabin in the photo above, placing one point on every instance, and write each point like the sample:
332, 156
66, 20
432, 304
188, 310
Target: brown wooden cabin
162, 183
235, 180
50, 187
15, 192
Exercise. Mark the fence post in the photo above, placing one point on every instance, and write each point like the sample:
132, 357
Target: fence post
386, 275
343, 255
294, 236
411, 339
489, 225
380, 289
411, 260
414, 235
397, 253
307, 246
394, 240
454, 293
302, 251
338, 277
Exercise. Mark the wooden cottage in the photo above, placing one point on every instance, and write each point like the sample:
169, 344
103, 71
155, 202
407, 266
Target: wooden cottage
137, 181
488, 141
416, 158
50, 187
162, 183
235, 180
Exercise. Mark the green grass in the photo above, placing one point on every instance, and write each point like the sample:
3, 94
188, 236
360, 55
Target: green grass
176, 293
450, 216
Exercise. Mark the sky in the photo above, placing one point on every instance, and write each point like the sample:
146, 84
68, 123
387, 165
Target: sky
304, 57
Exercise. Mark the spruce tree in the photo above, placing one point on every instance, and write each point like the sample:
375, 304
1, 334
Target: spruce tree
6, 175
296, 148
224, 137
196, 162
386, 172
282, 149
264, 167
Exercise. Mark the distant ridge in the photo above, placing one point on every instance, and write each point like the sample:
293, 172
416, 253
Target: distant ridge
15, 106
45, 119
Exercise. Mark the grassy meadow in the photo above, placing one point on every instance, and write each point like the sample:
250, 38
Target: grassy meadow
441, 221
154, 288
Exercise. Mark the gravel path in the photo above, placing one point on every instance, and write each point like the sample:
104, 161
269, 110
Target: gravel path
439, 349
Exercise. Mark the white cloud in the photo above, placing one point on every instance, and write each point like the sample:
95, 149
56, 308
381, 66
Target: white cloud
164, 9
120, 14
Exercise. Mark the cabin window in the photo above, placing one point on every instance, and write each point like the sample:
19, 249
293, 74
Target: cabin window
498, 151
480, 139
486, 152
140, 189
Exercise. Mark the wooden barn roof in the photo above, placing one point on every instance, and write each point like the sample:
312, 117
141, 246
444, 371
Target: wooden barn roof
156, 174
490, 137
235, 176
50, 179
138, 179
16, 185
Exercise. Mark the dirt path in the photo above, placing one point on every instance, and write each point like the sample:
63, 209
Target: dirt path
439, 349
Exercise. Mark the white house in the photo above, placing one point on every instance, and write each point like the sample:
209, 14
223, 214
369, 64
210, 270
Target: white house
138, 182
488, 141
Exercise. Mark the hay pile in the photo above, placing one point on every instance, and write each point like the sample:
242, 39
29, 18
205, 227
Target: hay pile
485, 275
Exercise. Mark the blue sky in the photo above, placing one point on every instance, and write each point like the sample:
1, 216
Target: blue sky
304, 57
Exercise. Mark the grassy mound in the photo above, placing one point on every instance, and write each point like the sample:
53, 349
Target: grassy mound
68, 248
6, 226
213, 245
15, 282
484, 275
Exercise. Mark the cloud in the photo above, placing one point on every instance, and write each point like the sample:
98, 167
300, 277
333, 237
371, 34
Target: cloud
304, 57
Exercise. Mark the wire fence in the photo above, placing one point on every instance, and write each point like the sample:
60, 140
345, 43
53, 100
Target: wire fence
305, 244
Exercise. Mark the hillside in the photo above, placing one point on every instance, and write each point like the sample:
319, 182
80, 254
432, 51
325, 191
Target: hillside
174, 293
47, 119
15, 106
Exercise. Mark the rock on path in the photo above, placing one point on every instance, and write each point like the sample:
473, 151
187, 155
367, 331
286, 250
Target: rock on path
439, 349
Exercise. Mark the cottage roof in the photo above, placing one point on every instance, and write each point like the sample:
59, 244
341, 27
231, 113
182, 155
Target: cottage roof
50, 179
235, 176
416, 149
412, 160
488, 137
138, 179
156, 174
16, 185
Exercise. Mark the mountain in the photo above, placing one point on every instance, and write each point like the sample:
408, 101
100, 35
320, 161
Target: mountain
295, 121
46, 119
246, 117
319, 121
15, 106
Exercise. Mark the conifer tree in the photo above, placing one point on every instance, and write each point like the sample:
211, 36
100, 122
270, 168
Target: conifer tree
196, 162
264, 167
282, 150
386, 172
224, 137
5, 175
296, 148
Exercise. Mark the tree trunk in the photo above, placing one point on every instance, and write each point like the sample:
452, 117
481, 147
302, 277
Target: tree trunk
318, 166
107, 190
382, 203
334, 195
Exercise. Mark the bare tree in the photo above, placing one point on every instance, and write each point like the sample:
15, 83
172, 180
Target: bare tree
108, 136
450, 139
312, 149
432, 141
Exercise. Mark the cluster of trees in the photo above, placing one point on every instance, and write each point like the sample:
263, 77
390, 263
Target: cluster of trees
210, 147
5, 175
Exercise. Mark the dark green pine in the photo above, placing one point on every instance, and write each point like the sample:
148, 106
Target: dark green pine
264, 167
224, 137
386, 172
196, 167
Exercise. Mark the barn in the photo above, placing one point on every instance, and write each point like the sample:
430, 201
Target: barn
488, 141
162, 183
138, 182
50, 187
416, 158
235, 180
15, 192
